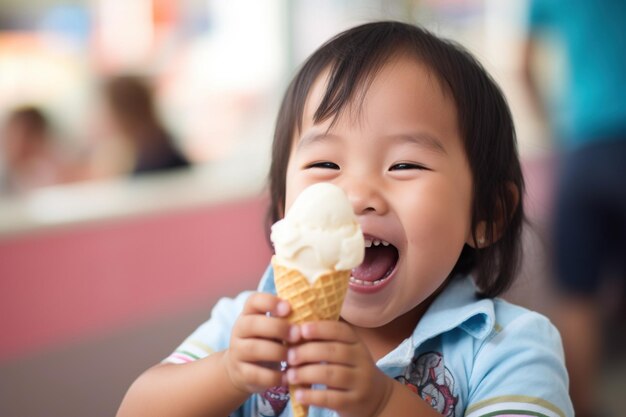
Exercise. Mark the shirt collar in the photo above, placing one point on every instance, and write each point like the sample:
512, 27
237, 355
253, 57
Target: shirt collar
457, 306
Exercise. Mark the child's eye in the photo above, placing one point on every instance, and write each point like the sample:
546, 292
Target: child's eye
406, 165
324, 165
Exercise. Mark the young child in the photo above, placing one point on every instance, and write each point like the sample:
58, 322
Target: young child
421, 140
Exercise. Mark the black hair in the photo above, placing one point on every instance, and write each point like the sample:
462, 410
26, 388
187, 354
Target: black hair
353, 58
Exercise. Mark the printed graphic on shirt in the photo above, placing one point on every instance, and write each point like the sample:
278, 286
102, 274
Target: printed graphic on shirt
272, 402
428, 377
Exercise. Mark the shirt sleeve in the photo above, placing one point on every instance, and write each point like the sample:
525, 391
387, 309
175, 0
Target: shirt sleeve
213, 335
520, 371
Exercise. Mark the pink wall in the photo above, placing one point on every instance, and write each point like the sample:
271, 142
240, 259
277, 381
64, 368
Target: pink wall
59, 285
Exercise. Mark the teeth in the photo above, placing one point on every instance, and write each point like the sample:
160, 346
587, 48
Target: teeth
367, 283
375, 242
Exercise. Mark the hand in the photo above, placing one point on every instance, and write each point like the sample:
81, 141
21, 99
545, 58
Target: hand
332, 354
256, 345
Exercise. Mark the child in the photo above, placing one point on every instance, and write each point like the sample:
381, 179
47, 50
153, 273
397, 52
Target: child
422, 142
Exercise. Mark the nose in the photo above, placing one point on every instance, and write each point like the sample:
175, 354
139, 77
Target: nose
365, 196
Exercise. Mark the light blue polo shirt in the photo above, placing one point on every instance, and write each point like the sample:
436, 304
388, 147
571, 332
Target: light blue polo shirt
467, 357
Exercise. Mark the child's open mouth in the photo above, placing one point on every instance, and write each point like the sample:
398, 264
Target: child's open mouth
378, 265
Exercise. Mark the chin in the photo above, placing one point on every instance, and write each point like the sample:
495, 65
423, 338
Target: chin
364, 324
367, 321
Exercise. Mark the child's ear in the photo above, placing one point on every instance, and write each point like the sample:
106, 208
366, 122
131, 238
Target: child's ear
477, 239
482, 236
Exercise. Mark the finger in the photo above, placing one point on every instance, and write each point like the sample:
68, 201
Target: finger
333, 376
323, 398
258, 326
328, 330
259, 376
259, 350
262, 303
329, 352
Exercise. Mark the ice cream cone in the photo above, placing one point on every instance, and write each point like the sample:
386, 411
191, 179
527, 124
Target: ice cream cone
320, 301
295, 288
299, 410
331, 290
317, 244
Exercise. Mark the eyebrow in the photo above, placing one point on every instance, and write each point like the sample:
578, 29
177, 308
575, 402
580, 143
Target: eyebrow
312, 137
421, 139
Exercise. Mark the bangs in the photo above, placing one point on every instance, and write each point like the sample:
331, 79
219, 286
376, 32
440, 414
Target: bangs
352, 65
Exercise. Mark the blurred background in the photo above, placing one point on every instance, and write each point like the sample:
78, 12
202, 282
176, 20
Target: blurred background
134, 147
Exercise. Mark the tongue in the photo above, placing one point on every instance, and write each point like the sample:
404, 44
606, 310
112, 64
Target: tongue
378, 261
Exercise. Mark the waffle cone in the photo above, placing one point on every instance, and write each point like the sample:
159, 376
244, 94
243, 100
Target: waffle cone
299, 410
320, 301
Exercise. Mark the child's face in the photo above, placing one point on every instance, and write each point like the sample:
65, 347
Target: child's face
402, 164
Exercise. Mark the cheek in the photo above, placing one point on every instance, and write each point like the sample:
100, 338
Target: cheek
297, 179
437, 217
292, 187
294, 183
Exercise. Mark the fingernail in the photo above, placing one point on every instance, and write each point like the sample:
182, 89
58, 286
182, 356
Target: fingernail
291, 356
294, 333
299, 395
291, 376
283, 308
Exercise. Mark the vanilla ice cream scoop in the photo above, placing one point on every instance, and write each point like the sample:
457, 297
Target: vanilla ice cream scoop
319, 233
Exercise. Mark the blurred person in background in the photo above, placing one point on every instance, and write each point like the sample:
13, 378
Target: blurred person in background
589, 218
30, 156
131, 108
